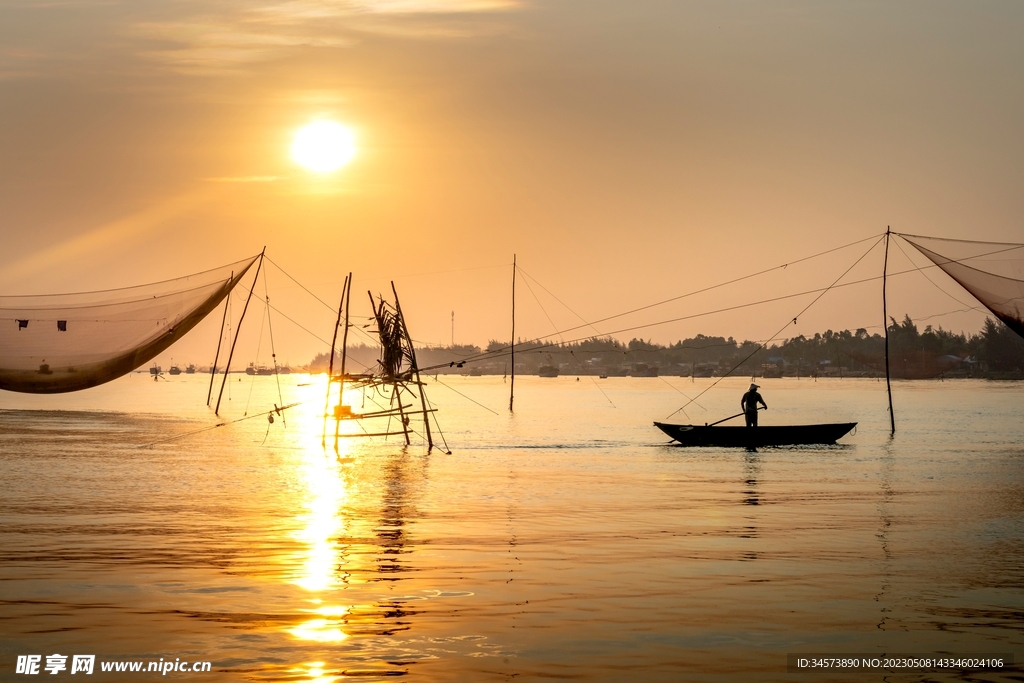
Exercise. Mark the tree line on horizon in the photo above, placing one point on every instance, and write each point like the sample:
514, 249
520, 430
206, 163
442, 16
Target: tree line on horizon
995, 351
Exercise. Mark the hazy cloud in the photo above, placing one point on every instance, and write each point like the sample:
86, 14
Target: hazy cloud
223, 42
303, 10
115, 236
210, 44
218, 37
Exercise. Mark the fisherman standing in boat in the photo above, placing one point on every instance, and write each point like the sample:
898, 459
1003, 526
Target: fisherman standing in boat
749, 405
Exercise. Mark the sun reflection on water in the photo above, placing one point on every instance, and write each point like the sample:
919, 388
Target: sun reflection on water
320, 631
314, 673
326, 493
345, 536
322, 498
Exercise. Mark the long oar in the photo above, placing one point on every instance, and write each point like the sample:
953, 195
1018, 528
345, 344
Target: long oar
728, 418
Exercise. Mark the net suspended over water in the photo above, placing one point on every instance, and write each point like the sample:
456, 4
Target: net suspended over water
56, 343
992, 271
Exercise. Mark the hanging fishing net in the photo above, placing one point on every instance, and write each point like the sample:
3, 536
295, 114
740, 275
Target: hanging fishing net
993, 272
56, 343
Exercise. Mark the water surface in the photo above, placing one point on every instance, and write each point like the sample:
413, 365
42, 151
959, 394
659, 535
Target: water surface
568, 541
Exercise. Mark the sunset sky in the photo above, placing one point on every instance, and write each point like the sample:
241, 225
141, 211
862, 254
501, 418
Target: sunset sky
626, 152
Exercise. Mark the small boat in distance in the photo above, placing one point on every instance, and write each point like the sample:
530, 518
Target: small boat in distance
756, 437
261, 370
175, 370
190, 370
547, 371
155, 370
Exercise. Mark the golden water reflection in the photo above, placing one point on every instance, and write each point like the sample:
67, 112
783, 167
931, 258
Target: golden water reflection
352, 511
323, 497
320, 631
326, 493
314, 673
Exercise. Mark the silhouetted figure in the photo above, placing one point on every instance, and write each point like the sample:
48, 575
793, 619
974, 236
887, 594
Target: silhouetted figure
749, 405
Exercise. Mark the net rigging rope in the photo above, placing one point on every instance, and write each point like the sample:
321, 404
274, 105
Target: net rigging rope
934, 284
504, 351
500, 352
273, 351
572, 354
788, 323
259, 344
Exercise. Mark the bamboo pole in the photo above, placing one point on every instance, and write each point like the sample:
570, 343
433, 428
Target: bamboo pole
415, 370
396, 394
344, 334
512, 385
231, 353
216, 357
347, 295
330, 364
885, 320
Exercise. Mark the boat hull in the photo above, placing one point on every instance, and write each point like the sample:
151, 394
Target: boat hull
754, 437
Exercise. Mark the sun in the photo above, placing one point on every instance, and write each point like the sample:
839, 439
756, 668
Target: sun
323, 146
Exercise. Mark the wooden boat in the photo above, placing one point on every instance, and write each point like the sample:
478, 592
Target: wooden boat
175, 370
754, 437
260, 370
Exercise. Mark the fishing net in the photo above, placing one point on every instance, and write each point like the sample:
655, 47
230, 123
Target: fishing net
56, 343
992, 271
397, 360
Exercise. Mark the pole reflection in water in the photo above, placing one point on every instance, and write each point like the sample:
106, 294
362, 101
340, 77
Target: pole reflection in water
392, 538
886, 515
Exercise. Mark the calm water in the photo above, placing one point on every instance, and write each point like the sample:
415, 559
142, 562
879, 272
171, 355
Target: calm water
566, 542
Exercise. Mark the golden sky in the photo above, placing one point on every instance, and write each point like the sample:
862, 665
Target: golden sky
627, 152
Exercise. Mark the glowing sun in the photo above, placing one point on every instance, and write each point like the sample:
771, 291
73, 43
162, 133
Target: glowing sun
323, 146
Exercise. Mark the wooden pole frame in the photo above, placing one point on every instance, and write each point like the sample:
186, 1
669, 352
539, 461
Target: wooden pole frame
415, 372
